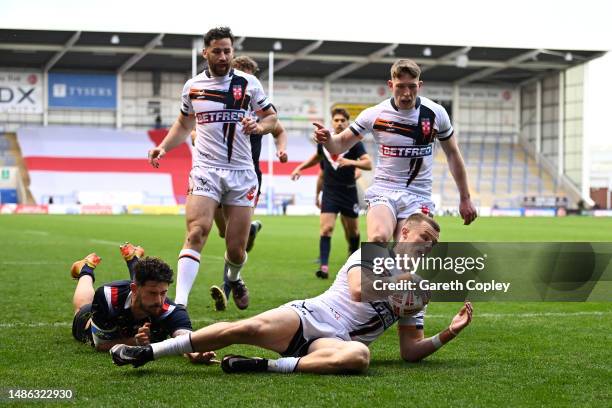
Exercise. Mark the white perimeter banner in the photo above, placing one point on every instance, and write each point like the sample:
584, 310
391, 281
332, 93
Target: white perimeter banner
21, 92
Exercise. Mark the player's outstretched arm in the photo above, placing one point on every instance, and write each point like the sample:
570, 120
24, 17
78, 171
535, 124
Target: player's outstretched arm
457, 169
415, 347
176, 135
311, 161
363, 163
336, 143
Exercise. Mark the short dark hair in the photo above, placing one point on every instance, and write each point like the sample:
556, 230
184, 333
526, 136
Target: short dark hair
340, 111
218, 33
153, 269
244, 63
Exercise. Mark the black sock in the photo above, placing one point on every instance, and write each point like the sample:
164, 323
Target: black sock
130, 264
87, 270
354, 243
324, 249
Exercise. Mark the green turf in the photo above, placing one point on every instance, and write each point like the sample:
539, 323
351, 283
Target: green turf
513, 354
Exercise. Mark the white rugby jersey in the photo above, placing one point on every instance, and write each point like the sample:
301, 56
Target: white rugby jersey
405, 139
364, 321
219, 104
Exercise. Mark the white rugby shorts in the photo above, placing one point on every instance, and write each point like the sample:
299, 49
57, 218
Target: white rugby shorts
318, 320
401, 202
229, 187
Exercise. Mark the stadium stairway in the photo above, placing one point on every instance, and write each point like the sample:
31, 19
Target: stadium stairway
10, 156
500, 174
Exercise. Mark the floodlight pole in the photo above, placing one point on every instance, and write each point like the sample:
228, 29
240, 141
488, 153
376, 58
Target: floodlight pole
538, 121
195, 45
326, 103
270, 184
118, 112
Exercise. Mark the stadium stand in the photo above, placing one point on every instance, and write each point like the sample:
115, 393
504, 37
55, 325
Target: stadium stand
501, 174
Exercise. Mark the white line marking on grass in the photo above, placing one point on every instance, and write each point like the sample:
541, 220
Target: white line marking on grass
34, 232
104, 242
434, 316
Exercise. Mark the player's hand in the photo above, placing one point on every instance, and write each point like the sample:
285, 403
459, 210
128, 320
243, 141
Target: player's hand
342, 162
207, 358
250, 126
467, 211
155, 154
282, 156
318, 202
143, 337
321, 134
296, 174
462, 319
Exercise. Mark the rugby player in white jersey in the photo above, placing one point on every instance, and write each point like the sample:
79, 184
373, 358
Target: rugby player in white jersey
326, 334
405, 127
220, 102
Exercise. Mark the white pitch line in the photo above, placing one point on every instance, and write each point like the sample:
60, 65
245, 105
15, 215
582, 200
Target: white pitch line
433, 316
104, 242
34, 232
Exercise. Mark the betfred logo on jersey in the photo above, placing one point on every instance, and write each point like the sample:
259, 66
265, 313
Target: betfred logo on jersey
405, 151
237, 91
222, 116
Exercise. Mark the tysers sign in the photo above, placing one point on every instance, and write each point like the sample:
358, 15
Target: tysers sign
82, 91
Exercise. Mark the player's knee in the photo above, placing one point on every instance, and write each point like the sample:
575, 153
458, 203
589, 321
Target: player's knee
355, 359
236, 253
361, 358
197, 234
378, 236
327, 230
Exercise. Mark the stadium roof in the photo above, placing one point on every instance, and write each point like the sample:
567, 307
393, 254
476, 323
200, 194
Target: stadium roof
123, 51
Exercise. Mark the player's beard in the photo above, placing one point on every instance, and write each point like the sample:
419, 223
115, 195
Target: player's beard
151, 310
219, 69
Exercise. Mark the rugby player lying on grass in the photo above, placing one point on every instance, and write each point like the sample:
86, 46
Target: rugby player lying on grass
326, 334
135, 312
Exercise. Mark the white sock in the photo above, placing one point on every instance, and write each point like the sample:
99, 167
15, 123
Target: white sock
187, 270
233, 270
283, 365
172, 347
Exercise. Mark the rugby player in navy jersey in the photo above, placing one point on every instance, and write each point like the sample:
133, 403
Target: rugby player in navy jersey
339, 190
135, 311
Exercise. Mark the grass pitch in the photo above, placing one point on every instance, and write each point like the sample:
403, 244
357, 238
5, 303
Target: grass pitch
513, 354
